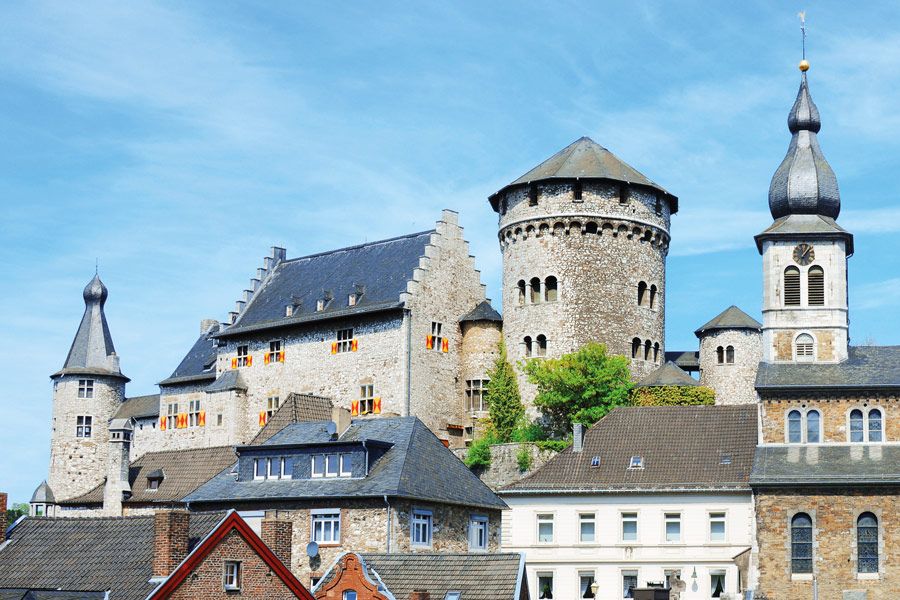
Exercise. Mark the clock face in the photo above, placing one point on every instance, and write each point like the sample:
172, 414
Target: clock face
804, 254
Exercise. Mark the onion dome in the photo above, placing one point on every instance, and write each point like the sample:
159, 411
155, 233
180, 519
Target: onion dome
804, 183
95, 291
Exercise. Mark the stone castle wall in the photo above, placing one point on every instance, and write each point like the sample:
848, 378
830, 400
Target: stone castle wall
480, 349
504, 467
734, 383
835, 415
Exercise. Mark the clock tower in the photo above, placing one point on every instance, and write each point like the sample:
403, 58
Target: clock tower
804, 250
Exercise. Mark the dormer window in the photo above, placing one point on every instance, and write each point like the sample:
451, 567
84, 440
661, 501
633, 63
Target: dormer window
636, 462
595, 462
274, 467
154, 479
351, 300
289, 310
332, 465
320, 305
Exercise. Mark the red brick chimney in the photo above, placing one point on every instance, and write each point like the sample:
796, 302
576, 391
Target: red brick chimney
170, 540
277, 535
3, 523
420, 595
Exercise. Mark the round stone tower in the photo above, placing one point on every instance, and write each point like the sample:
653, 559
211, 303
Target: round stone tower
730, 351
87, 392
584, 239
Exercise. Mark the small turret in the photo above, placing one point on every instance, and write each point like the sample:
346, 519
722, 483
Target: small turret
117, 486
43, 502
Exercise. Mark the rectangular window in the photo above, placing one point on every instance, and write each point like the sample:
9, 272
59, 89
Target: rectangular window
717, 583
437, 339
629, 582
422, 522
272, 404
219, 419
345, 340
318, 465
85, 388
545, 529
346, 465
366, 399
478, 532
172, 415
326, 526
231, 578
673, 527
587, 527
717, 527
332, 465
259, 468
585, 581
475, 395
545, 585
275, 467
194, 413
275, 353
243, 355
83, 426
629, 527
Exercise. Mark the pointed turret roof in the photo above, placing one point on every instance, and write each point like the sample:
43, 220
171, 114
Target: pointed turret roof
730, 318
43, 494
483, 312
92, 351
667, 374
585, 159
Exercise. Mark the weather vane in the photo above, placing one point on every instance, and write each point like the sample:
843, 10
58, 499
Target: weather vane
804, 64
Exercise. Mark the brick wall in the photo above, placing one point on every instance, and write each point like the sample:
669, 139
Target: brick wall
349, 575
3, 517
835, 411
170, 540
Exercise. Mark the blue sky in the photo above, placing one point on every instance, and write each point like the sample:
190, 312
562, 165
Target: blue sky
177, 142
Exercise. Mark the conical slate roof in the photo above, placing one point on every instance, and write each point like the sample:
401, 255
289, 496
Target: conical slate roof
43, 495
483, 312
804, 182
667, 374
730, 318
586, 159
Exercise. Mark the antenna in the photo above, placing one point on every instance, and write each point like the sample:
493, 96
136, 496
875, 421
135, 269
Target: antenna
96, 266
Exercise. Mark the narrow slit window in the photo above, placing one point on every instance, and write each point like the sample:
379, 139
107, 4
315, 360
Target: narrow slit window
813, 427
729, 355
867, 543
521, 292
795, 427
857, 427
801, 544
875, 429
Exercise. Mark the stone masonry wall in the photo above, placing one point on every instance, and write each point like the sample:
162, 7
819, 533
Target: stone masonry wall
480, 349
504, 468
835, 415
77, 465
599, 249
834, 514
733, 383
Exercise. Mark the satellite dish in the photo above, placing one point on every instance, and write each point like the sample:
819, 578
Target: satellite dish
312, 549
331, 428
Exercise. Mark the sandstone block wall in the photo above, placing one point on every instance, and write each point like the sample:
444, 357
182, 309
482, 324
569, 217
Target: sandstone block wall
835, 415
733, 383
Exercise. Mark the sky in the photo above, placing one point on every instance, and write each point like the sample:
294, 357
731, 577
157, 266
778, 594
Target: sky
176, 142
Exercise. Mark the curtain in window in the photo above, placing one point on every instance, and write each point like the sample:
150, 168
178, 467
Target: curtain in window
586, 582
867, 543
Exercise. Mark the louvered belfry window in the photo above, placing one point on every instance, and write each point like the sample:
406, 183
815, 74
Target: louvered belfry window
816, 280
792, 286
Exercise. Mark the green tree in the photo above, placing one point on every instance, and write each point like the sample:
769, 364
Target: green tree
503, 398
17, 510
673, 395
580, 387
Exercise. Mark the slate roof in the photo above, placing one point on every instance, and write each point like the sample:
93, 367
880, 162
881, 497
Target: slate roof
688, 360
88, 554
416, 466
296, 408
585, 159
868, 367
227, 381
184, 470
139, 407
382, 269
199, 364
477, 576
26, 594
826, 465
683, 447
667, 374
730, 318
483, 312
43, 494
793, 226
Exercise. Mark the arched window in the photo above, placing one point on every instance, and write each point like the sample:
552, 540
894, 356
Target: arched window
648, 347
813, 427
875, 430
656, 352
795, 427
635, 347
729, 355
815, 289
857, 427
792, 286
720, 355
551, 293
642, 292
867, 543
652, 296
804, 348
801, 544
521, 297
542, 345
527, 341
535, 290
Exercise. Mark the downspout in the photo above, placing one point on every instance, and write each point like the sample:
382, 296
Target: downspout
388, 504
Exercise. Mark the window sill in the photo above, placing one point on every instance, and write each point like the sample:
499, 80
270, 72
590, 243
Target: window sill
329, 544
801, 577
868, 576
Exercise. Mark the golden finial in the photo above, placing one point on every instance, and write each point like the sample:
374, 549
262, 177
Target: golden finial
804, 64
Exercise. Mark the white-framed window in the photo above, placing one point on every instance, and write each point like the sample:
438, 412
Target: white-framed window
545, 585
636, 462
717, 583
348, 595
85, 388
345, 340
475, 395
273, 467
437, 335
231, 575
194, 413
332, 465
276, 352
629, 582
318, 465
83, 426
326, 525
629, 526
272, 404
673, 527
545, 528
366, 399
243, 355
421, 525
585, 581
172, 415
866, 425
717, 529
587, 528
478, 532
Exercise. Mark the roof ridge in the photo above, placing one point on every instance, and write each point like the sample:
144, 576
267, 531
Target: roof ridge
357, 246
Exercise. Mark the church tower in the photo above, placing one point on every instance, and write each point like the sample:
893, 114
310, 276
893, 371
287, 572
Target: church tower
87, 391
805, 251
584, 238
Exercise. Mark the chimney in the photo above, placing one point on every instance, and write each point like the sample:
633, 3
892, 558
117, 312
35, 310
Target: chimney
420, 595
278, 254
578, 437
277, 535
118, 466
341, 418
3, 518
170, 540
207, 324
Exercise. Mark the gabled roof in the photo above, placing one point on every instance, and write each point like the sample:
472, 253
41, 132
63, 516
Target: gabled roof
730, 318
483, 312
665, 375
88, 554
826, 465
866, 368
199, 364
185, 471
139, 407
231, 523
685, 359
297, 408
793, 227
416, 466
380, 270
228, 381
684, 448
585, 159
